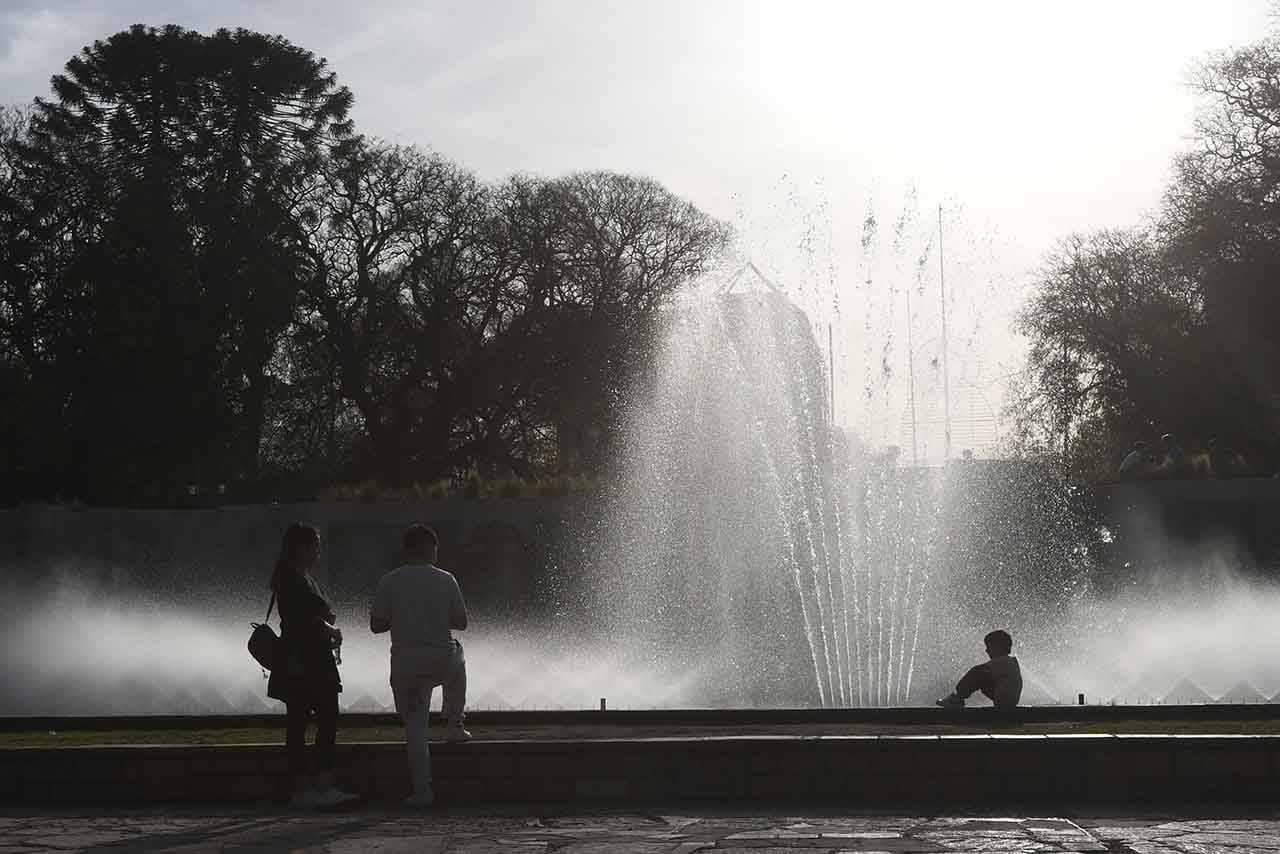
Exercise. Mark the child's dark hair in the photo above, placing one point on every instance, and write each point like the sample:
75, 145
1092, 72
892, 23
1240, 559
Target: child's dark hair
1000, 641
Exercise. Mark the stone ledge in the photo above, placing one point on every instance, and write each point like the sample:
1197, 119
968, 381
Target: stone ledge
968, 769
981, 717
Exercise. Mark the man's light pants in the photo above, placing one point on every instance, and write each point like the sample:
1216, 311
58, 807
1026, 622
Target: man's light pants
412, 693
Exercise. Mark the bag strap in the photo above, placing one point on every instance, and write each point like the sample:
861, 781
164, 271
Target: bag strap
270, 606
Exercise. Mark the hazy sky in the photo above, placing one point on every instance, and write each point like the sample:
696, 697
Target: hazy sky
790, 119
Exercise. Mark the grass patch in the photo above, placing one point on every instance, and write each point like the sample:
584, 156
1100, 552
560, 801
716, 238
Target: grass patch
472, 486
265, 735
395, 734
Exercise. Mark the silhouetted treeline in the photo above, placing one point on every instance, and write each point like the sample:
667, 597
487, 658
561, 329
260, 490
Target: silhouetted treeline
208, 277
1173, 326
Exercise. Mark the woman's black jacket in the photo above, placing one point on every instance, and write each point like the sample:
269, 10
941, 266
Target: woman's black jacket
306, 671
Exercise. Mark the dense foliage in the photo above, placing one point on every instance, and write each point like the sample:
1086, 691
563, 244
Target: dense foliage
207, 277
1172, 327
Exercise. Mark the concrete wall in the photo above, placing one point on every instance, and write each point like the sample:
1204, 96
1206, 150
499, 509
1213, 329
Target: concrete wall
1158, 520
885, 769
496, 547
502, 548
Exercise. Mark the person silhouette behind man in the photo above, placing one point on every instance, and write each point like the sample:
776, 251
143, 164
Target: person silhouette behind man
1000, 679
420, 604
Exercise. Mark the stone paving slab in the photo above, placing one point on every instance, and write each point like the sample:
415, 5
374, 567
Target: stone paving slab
659, 831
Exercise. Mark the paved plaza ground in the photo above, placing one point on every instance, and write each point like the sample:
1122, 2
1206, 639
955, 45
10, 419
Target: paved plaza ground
669, 830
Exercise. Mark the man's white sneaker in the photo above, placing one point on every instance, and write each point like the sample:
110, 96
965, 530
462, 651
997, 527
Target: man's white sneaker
418, 802
307, 799
332, 797
455, 734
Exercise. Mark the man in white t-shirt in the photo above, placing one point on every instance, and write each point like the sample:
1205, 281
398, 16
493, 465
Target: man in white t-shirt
420, 604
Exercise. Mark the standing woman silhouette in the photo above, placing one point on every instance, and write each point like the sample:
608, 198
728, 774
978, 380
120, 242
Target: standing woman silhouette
306, 675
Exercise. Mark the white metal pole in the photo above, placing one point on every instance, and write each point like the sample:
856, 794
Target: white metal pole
946, 377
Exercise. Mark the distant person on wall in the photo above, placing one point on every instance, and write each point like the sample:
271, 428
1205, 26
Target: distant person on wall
1135, 462
306, 677
1218, 465
1227, 462
1197, 462
1000, 679
1175, 458
420, 604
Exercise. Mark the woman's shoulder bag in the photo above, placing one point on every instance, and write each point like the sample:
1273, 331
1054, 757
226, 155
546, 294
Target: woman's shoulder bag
264, 644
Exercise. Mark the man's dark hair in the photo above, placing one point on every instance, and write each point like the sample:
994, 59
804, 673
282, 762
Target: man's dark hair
419, 538
1000, 641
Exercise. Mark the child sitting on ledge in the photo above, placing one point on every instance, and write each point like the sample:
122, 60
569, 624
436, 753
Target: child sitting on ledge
1000, 679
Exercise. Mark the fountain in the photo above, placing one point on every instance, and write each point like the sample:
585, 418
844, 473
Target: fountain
783, 563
